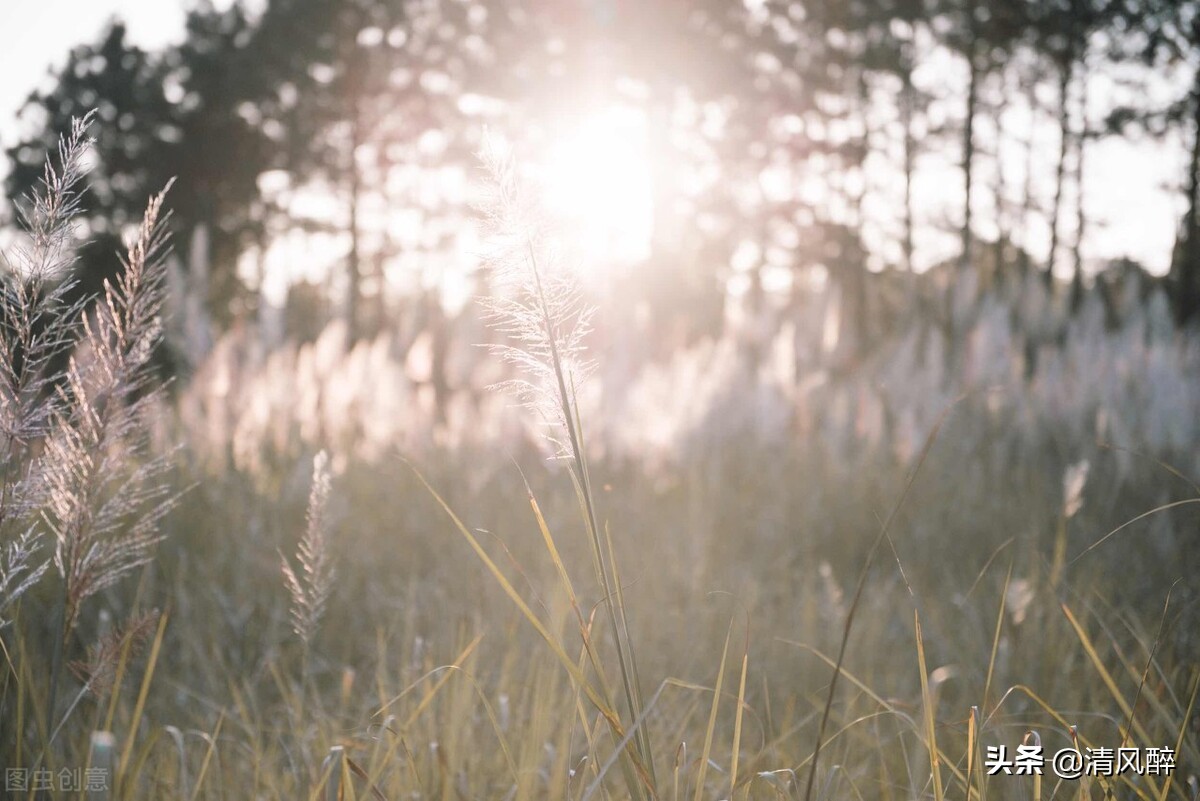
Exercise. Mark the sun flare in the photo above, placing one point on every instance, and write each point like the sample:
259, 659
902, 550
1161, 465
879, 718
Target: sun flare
597, 181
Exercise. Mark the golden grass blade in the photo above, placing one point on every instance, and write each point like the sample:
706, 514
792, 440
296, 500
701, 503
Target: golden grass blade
1036, 739
1137, 790
680, 758
737, 719
1162, 622
122, 662
446, 671
140, 706
12, 671
21, 704
620, 629
516, 598
712, 720
637, 702
624, 742
331, 773
1105, 676
631, 685
1183, 727
972, 741
137, 764
555, 556
866, 690
585, 626
935, 771
987, 684
208, 755
983, 570
602, 705
496, 727
580, 713
181, 778
357, 770
1129, 523
1167, 467
884, 532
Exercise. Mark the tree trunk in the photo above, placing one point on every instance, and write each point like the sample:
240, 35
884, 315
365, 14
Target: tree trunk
859, 265
999, 189
907, 100
1185, 272
969, 134
353, 258
1027, 204
353, 87
1080, 216
1064, 130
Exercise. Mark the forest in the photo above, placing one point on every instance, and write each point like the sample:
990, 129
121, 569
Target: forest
573, 399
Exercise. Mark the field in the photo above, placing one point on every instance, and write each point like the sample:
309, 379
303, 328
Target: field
729, 573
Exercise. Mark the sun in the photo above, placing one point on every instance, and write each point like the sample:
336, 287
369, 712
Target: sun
597, 182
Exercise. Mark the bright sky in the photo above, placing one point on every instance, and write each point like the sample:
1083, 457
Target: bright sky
40, 33
1133, 201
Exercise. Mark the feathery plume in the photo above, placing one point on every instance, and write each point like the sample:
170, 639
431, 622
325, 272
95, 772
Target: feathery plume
38, 325
1074, 480
312, 584
98, 671
47, 214
537, 305
17, 570
106, 493
540, 308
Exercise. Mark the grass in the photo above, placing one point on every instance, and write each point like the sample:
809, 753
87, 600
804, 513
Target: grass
738, 635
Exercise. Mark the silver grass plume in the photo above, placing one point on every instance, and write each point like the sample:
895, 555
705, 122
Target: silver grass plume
106, 492
18, 571
98, 671
38, 325
539, 307
536, 305
311, 585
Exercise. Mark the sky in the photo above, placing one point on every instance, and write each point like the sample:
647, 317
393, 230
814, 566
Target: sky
1133, 201
40, 33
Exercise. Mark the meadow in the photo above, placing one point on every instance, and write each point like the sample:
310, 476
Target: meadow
748, 569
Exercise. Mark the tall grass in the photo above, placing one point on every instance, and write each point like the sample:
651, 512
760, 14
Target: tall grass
905, 619
78, 397
540, 308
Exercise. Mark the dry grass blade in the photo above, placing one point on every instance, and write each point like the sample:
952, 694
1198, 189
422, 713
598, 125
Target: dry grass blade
606, 711
542, 312
737, 718
331, 773
446, 671
987, 682
1183, 727
1034, 739
211, 739
1164, 507
144, 691
858, 591
1162, 622
99, 671
1106, 676
972, 749
706, 752
930, 717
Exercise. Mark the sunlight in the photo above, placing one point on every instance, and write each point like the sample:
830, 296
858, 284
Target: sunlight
597, 181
